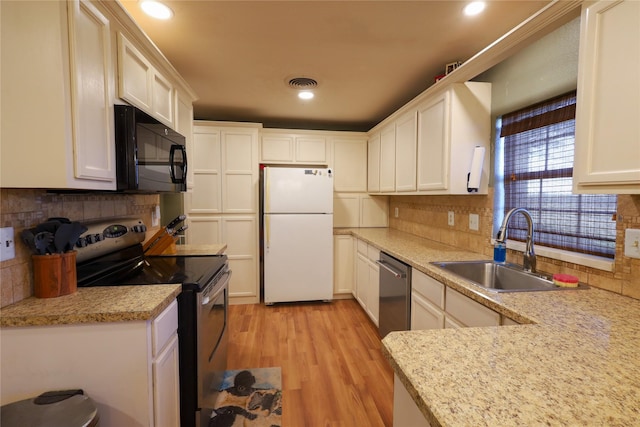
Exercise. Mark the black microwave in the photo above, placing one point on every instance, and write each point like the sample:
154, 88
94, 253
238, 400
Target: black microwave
150, 156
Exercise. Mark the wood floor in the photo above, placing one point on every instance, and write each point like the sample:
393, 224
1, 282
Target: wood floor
333, 371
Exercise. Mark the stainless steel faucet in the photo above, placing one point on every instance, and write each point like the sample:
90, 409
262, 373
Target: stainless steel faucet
529, 262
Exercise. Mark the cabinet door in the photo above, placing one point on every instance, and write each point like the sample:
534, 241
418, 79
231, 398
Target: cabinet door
240, 177
162, 99
469, 312
206, 165
362, 280
373, 164
373, 292
276, 149
312, 150
241, 235
204, 230
374, 211
433, 144
425, 315
388, 159
166, 386
406, 128
346, 210
343, 261
349, 165
92, 114
135, 75
607, 147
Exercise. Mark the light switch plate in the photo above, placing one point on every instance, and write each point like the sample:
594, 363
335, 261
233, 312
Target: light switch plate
450, 218
632, 242
7, 244
474, 222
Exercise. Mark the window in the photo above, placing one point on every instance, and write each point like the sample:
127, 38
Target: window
534, 169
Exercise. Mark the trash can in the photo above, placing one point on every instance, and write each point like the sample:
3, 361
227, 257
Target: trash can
63, 408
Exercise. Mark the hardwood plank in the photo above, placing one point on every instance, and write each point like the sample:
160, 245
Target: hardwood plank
333, 371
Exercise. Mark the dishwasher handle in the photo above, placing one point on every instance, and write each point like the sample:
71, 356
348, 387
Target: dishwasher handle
397, 274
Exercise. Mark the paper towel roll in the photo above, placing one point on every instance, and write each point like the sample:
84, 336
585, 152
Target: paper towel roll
475, 173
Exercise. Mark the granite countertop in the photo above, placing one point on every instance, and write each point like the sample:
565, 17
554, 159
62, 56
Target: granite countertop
92, 305
211, 249
574, 361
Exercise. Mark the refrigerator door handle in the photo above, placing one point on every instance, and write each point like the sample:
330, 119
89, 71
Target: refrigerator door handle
267, 230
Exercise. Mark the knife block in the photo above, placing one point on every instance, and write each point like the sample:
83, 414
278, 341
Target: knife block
54, 275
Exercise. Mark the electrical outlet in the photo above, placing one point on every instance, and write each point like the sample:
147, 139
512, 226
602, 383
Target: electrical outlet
632, 242
8, 246
474, 222
395, 212
155, 216
450, 218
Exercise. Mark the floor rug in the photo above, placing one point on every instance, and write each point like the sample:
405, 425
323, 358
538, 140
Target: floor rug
249, 398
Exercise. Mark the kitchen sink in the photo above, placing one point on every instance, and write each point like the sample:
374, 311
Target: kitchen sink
502, 277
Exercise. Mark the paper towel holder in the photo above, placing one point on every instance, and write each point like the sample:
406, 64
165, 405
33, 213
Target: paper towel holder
470, 190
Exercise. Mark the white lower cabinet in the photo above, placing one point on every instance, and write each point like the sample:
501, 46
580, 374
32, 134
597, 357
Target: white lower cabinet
367, 290
129, 369
435, 306
427, 302
343, 264
405, 410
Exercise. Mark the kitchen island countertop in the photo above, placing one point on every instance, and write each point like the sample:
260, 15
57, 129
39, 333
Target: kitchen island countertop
573, 361
92, 305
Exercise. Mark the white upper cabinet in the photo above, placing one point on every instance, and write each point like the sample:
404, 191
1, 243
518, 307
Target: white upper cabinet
427, 146
282, 146
142, 85
349, 163
432, 138
225, 168
607, 147
91, 79
388, 159
373, 163
406, 128
450, 126
58, 80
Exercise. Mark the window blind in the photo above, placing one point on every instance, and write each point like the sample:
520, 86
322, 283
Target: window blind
538, 169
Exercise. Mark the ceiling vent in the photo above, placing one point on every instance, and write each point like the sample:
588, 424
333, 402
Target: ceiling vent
302, 83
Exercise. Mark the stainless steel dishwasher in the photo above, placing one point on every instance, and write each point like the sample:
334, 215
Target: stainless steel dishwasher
395, 295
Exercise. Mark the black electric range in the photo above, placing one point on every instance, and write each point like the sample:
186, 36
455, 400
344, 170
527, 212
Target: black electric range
110, 253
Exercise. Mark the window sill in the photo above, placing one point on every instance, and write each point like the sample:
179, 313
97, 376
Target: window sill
599, 263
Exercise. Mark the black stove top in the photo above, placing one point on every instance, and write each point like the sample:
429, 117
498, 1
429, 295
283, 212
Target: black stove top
131, 267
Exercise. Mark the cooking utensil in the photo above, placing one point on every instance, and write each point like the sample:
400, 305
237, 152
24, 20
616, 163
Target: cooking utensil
43, 242
62, 236
77, 230
179, 230
29, 239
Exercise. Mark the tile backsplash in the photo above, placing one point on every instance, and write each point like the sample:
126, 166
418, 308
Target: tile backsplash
25, 208
426, 216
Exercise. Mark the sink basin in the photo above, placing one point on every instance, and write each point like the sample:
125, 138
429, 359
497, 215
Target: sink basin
501, 277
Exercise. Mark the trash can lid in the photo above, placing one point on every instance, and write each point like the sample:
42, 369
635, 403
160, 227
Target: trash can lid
72, 410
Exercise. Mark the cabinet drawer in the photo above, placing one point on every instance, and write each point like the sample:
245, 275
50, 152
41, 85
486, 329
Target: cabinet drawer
424, 315
468, 312
164, 327
428, 287
362, 247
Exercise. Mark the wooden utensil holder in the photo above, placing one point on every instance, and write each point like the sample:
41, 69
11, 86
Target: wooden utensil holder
54, 275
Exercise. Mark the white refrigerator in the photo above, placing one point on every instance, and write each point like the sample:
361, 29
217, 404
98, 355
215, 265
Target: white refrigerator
297, 234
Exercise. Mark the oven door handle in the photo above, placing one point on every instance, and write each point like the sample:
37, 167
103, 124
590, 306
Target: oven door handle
208, 297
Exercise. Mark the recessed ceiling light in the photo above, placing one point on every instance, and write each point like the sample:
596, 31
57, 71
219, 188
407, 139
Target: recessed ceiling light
156, 9
474, 8
305, 94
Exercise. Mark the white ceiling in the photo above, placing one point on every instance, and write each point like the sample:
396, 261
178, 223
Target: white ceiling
369, 57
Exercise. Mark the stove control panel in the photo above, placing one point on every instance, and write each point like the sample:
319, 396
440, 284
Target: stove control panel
108, 235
